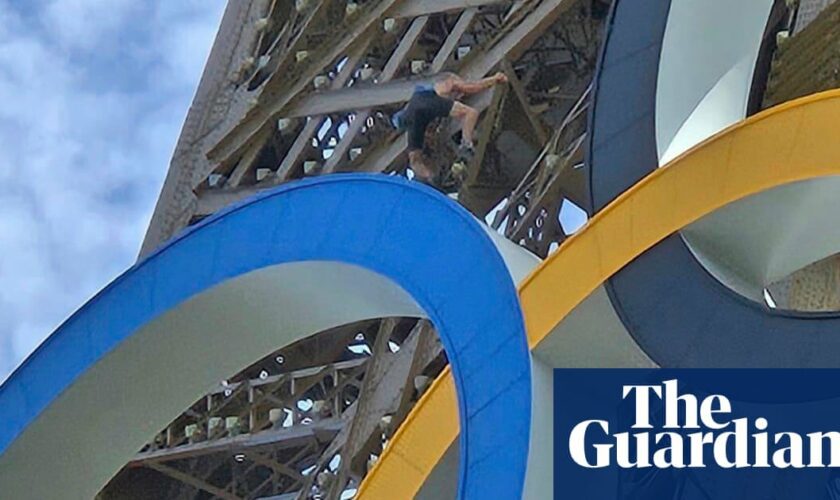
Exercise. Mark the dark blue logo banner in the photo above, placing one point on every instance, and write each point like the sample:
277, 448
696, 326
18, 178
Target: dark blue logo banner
697, 434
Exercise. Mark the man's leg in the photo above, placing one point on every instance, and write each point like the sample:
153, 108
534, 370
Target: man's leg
419, 167
469, 118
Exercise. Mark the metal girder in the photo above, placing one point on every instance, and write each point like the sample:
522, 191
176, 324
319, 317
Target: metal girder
274, 100
210, 202
488, 125
511, 44
422, 349
277, 467
285, 58
359, 96
394, 62
444, 53
361, 426
269, 14
383, 93
242, 398
309, 437
526, 27
519, 91
391, 391
498, 94
281, 450
532, 209
246, 163
452, 39
415, 8
271, 104
304, 138
192, 481
292, 436
302, 142
548, 192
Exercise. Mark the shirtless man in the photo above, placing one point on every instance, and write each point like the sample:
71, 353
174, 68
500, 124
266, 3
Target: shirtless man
440, 99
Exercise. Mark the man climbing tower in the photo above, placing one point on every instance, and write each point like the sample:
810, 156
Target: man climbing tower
437, 100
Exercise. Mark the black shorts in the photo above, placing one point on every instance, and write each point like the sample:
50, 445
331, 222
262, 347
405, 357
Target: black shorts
424, 107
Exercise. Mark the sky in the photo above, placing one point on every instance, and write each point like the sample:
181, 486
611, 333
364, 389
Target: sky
93, 94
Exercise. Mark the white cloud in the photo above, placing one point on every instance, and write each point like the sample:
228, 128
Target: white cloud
93, 96
85, 24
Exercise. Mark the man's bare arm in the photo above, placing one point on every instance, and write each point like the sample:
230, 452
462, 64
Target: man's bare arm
462, 86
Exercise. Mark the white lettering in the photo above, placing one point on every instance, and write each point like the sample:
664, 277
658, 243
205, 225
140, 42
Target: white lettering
671, 455
577, 445
789, 456
642, 403
815, 442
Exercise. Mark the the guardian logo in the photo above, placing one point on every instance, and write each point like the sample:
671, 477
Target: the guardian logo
694, 432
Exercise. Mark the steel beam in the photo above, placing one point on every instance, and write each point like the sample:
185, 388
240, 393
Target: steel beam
302, 143
452, 39
510, 44
272, 104
247, 162
291, 436
385, 92
367, 418
390, 385
361, 96
192, 481
277, 467
416, 8
394, 62
438, 63
275, 105
519, 91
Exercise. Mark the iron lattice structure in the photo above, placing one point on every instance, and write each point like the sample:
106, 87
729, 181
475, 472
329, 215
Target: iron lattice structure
301, 88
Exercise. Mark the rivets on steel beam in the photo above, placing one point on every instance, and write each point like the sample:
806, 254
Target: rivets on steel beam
389, 25
418, 66
284, 125
366, 73
421, 382
301, 5
385, 422
247, 64
371, 462
351, 9
262, 62
261, 24
262, 173
215, 180
321, 82
311, 167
